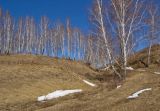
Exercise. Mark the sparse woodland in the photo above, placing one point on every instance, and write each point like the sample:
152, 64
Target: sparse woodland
51, 65
117, 28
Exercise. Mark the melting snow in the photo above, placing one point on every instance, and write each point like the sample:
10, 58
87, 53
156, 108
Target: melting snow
129, 68
141, 70
89, 83
135, 95
157, 72
58, 93
118, 86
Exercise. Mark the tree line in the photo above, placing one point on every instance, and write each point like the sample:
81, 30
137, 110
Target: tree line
25, 36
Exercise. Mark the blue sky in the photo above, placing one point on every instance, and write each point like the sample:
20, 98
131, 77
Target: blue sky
76, 10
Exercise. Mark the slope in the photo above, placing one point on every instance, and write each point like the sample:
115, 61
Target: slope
103, 99
25, 77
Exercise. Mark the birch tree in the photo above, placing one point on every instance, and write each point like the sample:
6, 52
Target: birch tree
154, 27
97, 17
43, 30
128, 16
1, 31
8, 33
69, 37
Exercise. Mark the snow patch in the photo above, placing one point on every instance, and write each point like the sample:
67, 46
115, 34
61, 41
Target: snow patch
141, 70
129, 68
57, 94
118, 86
135, 95
89, 83
157, 73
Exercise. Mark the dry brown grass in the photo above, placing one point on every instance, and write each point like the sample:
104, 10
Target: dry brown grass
25, 77
116, 99
143, 55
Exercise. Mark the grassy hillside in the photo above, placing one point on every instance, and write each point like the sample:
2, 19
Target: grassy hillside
143, 55
25, 77
115, 99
